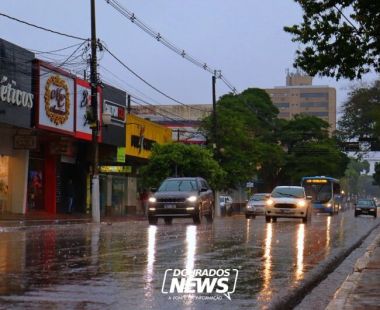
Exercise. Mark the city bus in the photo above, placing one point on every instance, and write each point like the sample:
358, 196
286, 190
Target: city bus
324, 192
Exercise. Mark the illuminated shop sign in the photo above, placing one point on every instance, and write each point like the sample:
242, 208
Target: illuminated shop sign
115, 169
56, 100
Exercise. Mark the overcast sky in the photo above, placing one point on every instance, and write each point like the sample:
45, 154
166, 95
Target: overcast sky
243, 38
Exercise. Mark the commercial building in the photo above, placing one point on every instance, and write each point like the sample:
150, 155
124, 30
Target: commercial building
183, 120
299, 96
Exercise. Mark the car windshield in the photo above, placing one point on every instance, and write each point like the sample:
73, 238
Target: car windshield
295, 192
258, 197
365, 203
178, 186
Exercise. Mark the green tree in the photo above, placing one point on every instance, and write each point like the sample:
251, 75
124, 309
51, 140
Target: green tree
376, 175
177, 159
310, 150
361, 114
351, 179
339, 38
245, 126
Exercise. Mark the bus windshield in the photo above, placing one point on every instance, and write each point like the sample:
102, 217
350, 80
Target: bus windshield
320, 193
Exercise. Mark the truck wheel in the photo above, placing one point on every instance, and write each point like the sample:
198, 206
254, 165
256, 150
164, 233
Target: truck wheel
267, 219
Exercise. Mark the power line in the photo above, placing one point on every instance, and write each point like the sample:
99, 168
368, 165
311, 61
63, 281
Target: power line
156, 35
42, 28
147, 83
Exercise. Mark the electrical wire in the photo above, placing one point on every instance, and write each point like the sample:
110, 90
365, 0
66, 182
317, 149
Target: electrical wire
42, 28
147, 83
156, 35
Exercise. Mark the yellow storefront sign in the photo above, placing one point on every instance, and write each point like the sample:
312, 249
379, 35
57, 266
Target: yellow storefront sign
142, 134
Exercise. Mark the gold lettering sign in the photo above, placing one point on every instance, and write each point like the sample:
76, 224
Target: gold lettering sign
115, 169
57, 91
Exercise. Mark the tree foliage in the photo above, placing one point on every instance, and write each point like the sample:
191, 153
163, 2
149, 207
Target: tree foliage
361, 114
310, 150
351, 179
181, 160
245, 124
339, 38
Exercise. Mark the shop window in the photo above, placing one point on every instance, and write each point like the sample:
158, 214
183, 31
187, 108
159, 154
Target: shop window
4, 176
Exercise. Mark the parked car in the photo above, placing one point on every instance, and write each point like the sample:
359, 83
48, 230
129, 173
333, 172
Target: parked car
182, 197
225, 203
366, 206
256, 205
288, 202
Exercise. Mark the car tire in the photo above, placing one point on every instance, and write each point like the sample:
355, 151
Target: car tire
229, 212
152, 220
274, 219
210, 216
168, 220
247, 216
267, 219
356, 214
304, 219
375, 214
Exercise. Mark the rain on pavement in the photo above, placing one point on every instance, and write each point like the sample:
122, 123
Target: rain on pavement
122, 266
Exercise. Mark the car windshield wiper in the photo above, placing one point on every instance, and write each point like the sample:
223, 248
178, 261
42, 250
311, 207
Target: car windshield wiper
287, 194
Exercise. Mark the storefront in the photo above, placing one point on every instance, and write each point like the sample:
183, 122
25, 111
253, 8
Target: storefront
17, 138
114, 173
62, 160
141, 135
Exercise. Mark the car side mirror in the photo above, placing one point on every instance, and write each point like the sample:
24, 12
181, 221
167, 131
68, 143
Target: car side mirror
309, 197
204, 189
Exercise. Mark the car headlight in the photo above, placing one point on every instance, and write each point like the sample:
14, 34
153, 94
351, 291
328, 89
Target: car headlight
371, 209
328, 205
152, 199
249, 207
269, 202
192, 198
301, 203
357, 209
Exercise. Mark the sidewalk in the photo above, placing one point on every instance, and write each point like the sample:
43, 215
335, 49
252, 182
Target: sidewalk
39, 218
361, 289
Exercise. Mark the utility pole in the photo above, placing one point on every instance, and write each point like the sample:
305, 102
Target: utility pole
95, 199
214, 109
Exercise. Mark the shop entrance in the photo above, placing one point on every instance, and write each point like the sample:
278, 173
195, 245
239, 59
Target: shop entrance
4, 185
36, 192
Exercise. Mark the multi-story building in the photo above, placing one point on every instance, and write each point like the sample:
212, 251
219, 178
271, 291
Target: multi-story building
299, 96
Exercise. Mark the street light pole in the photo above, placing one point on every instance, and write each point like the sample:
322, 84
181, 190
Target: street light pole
95, 200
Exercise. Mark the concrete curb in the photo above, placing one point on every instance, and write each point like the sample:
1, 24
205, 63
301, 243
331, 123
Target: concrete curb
291, 297
350, 284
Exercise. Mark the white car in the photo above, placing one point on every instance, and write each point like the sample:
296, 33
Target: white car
256, 205
288, 202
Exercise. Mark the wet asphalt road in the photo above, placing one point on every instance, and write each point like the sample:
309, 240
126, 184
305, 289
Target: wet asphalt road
122, 266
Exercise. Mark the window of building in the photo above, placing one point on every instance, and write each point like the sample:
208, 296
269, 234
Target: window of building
321, 104
282, 105
314, 95
319, 114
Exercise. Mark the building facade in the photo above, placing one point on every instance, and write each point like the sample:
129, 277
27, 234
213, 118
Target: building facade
299, 96
183, 120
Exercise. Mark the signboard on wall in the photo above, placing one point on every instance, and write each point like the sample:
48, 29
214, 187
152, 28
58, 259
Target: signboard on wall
83, 108
56, 100
117, 112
